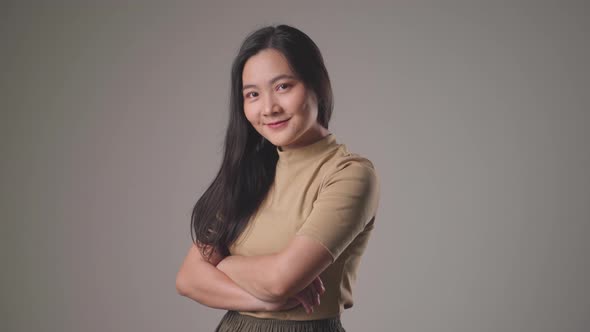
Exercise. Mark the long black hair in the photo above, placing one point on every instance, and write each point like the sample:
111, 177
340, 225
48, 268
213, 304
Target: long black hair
249, 160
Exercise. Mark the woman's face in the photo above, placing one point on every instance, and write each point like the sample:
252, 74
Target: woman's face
277, 103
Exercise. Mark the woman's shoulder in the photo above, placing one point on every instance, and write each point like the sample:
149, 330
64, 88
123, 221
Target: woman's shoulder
344, 158
344, 163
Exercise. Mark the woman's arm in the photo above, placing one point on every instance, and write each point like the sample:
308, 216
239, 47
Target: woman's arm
342, 210
201, 281
277, 277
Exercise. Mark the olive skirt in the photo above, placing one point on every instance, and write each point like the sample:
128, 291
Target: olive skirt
233, 321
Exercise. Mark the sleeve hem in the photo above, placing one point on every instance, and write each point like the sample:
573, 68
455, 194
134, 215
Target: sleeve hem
318, 240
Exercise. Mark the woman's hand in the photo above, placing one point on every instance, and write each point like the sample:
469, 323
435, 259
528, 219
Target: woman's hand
309, 297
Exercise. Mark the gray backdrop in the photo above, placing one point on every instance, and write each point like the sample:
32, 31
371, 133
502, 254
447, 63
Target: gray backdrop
475, 114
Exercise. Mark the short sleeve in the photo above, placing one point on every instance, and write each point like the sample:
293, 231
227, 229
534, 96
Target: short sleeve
347, 201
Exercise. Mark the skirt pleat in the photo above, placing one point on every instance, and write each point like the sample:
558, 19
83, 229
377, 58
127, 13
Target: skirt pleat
233, 321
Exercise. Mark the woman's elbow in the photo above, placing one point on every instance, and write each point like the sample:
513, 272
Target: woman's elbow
181, 287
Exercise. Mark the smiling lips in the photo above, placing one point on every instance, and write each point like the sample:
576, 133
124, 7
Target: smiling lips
278, 124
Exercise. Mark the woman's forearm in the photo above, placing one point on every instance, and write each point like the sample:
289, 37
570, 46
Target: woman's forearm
216, 290
201, 281
278, 276
255, 274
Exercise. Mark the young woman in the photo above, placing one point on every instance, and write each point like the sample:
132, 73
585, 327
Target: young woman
279, 234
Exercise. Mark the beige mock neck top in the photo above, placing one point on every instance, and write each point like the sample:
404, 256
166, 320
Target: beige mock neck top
323, 191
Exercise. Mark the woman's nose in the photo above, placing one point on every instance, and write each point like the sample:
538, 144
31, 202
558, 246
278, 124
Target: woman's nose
270, 105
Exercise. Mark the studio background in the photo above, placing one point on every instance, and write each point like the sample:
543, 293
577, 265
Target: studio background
475, 114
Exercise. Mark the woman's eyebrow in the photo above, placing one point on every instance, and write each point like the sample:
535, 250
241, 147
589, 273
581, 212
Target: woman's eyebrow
276, 78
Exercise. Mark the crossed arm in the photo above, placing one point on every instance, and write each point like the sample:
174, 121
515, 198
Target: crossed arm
200, 280
279, 276
255, 283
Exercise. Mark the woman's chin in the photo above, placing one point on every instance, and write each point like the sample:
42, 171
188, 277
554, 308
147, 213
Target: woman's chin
277, 140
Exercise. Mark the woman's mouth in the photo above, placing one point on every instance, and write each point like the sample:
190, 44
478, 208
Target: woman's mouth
278, 124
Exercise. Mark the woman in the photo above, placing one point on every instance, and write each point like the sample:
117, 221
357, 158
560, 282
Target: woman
279, 233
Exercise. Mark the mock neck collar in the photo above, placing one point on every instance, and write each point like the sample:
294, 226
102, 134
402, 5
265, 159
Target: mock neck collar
308, 152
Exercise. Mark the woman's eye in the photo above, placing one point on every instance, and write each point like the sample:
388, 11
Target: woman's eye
283, 86
251, 94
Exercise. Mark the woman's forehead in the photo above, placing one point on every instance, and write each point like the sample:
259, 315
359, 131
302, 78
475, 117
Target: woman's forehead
264, 66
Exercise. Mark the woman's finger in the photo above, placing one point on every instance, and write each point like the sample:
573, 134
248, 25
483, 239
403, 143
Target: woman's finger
315, 293
312, 296
301, 298
319, 284
309, 295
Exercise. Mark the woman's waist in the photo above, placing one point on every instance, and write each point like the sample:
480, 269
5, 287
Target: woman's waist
298, 313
